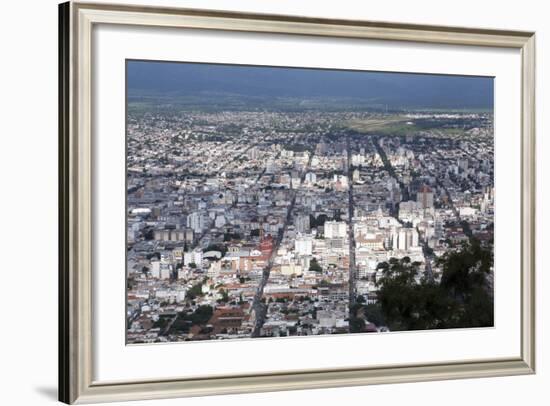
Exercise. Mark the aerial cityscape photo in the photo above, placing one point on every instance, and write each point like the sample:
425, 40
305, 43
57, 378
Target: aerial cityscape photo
279, 202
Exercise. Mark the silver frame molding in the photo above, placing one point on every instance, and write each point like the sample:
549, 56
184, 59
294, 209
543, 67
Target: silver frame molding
76, 384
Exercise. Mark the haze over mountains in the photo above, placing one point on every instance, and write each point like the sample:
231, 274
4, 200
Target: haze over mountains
235, 86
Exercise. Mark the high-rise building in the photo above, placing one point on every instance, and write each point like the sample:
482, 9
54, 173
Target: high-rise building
414, 241
254, 153
335, 229
303, 245
155, 269
357, 159
193, 257
402, 240
164, 272
311, 177
463, 164
220, 221
425, 197
196, 221
407, 238
302, 223
162, 235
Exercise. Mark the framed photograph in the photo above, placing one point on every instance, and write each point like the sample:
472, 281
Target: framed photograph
264, 202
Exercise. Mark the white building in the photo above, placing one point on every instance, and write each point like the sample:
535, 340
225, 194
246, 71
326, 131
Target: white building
311, 178
467, 211
303, 245
254, 153
164, 271
357, 159
220, 221
155, 269
335, 229
193, 257
407, 238
326, 319
180, 294
302, 223
291, 269
196, 221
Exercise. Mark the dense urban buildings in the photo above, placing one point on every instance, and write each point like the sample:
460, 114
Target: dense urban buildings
245, 222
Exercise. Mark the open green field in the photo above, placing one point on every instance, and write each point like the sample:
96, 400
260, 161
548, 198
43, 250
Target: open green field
400, 125
382, 125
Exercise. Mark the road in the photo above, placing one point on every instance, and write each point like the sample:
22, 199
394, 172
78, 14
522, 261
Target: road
169, 325
260, 309
429, 258
425, 249
405, 197
351, 234
388, 166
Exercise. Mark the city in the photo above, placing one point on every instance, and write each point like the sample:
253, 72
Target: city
279, 232
273, 223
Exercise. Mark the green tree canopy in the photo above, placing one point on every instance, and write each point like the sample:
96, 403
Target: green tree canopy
411, 301
314, 266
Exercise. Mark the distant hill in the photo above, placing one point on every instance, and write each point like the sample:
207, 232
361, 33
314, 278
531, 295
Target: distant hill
397, 90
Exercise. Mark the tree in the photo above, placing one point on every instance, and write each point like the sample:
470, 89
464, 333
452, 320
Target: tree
317, 221
149, 234
406, 304
161, 323
314, 266
225, 296
373, 313
155, 255
217, 247
196, 290
231, 236
356, 325
466, 270
462, 298
409, 304
200, 316
464, 276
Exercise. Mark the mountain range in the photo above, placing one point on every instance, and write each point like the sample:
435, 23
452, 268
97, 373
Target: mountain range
393, 90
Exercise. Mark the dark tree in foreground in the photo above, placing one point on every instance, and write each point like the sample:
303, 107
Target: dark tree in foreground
463, 298
373, 313
201, 315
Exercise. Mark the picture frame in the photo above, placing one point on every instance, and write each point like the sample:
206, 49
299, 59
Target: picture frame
76, 349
